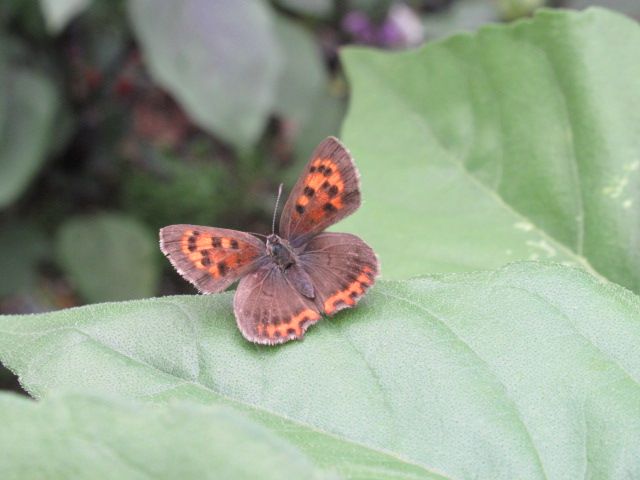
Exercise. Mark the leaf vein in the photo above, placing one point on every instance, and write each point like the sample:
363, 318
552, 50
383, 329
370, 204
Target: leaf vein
483, 362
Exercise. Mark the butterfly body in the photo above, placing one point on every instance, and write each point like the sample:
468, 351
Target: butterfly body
280, 252
289, 281
283, 255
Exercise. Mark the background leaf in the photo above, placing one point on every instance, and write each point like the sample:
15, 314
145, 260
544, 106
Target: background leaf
316, 8
518, 142
514, 9
90, 437
303, 78
462, 16
109, 257
628, 7
22, 247
219, 58
531, 371
58, 13
28, 104
327, 113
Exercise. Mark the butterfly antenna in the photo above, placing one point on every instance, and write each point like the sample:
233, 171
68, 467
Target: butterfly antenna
275, 211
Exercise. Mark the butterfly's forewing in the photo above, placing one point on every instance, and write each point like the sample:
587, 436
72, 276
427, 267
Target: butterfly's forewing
342, 268
327, 191
269, 309
211, 258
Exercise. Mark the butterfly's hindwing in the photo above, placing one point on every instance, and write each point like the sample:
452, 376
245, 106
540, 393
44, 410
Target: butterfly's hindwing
342, 268
269, 309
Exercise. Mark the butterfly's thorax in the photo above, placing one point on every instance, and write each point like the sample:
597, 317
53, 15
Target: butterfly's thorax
281, 252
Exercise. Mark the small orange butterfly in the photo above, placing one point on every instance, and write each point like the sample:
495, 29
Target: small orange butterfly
289, 280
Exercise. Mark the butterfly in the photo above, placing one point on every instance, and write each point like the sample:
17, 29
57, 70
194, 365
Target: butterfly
291, 278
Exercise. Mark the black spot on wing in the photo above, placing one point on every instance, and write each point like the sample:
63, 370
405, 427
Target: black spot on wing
222, 268
192, 243
329, 207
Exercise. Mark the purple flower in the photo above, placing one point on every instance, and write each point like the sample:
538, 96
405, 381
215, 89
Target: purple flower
359, 26
401, 28
389, 35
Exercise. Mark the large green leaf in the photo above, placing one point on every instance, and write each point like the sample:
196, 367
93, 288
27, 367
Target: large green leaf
531, 371
109, 257
90, 437
518, 142
28, 104
220, 58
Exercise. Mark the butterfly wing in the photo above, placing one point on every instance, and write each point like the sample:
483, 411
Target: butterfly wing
327, 191
342, 268
269, 310
211, 258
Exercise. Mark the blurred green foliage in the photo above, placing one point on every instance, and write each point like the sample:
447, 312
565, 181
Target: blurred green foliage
24, 245
108, 257
174, 190
28, 110
164, 112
